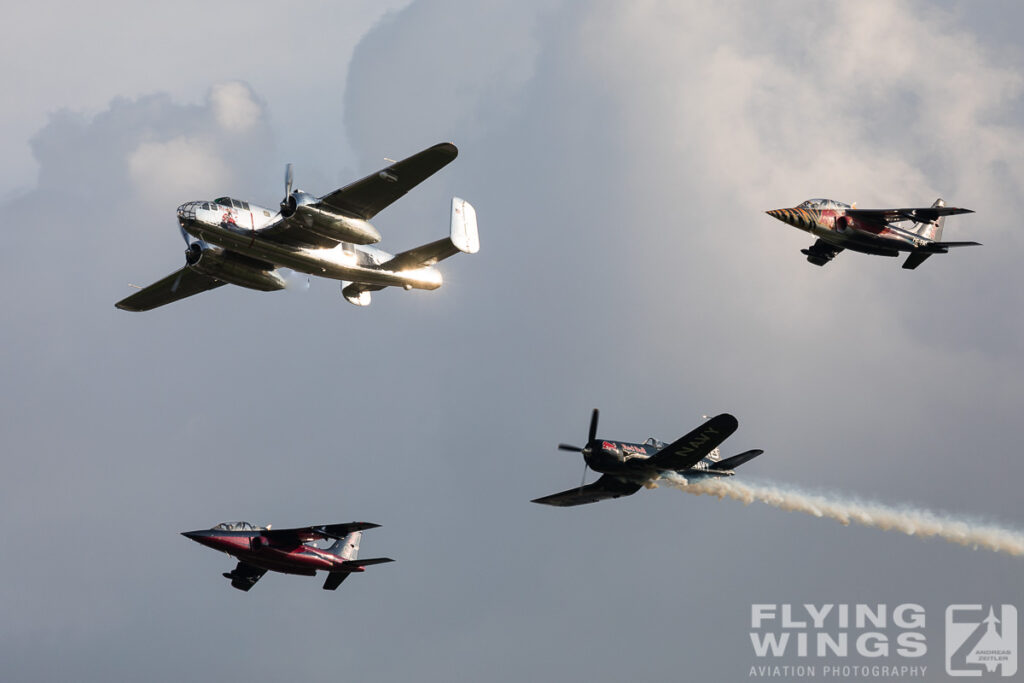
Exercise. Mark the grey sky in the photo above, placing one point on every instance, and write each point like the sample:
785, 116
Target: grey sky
620, 159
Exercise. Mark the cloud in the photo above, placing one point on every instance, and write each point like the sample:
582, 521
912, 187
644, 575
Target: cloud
179, 167
235, 107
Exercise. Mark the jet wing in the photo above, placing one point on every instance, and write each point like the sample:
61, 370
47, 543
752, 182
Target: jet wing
918, 215
367, 197
314, 533
605, 487
687, 451
245, 576
178, 285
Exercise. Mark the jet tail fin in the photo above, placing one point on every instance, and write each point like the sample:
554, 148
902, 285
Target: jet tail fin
347, 547
931, 230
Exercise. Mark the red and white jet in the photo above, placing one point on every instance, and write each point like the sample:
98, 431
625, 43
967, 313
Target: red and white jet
289, 551
841, 226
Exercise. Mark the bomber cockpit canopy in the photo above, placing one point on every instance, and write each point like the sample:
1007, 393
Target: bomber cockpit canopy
234, 203
823, 204
238, 526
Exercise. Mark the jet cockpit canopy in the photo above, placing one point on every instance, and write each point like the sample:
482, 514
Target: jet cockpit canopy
238, 526
823, 204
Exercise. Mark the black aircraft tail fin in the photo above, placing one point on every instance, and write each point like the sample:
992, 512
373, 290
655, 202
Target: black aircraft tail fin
737, 460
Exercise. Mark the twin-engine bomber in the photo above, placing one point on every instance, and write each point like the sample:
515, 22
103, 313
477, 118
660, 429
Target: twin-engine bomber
234, 242
841, 226
626, 466
289, 551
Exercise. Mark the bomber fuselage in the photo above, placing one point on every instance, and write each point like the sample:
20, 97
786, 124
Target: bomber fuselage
238, 230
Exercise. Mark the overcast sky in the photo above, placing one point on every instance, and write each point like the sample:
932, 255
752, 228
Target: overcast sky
620, 157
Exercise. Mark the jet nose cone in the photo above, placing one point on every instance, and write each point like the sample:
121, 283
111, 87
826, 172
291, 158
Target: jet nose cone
787, 216
194, 535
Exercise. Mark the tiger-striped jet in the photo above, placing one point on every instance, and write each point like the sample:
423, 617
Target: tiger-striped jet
626, 467
234, 242
841, 226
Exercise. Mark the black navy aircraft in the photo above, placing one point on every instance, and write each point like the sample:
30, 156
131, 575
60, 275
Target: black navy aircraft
626, 467
234, 242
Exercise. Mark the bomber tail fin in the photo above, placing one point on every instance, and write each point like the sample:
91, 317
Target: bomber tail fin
464, 235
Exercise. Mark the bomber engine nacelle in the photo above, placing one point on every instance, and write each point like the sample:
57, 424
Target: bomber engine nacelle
216, 263
327, 223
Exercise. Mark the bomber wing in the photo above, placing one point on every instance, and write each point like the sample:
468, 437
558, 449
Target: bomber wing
687, 451
365, 198
605, 487
314, 533
244, 576
918, 215
178, 285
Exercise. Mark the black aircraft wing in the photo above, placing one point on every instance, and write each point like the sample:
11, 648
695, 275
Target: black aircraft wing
314, 533
244, 576
367, 197
687, 451
605, 487
918, 215
178, 285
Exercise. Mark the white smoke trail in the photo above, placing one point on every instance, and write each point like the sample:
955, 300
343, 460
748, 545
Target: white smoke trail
910, 521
